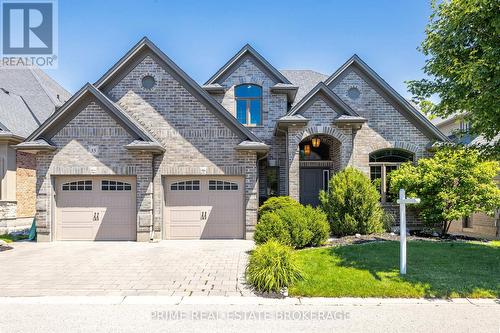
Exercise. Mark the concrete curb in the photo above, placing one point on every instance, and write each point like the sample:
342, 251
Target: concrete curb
238, 300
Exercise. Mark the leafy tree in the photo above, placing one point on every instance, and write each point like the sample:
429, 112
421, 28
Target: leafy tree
462, 46
453, 184
352, 204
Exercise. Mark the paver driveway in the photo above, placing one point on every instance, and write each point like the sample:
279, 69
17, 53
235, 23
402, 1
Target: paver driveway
125, 268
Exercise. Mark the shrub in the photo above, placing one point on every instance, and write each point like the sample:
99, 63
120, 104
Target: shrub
271, 227
272, 267
352, 204
295, 220
296, 225
275, 203
317, 225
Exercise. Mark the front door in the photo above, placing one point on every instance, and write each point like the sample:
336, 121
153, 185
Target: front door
311, 183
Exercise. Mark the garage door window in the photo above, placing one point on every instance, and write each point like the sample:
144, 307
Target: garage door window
219, 185
80, 185
112, 185
188, 185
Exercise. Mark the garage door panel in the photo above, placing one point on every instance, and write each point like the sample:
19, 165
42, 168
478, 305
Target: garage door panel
213, 211
91, 213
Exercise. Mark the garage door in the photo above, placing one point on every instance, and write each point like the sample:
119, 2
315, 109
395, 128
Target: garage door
95, 208
204, 207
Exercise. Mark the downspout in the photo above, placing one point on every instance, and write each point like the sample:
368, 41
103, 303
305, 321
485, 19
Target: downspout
151, 227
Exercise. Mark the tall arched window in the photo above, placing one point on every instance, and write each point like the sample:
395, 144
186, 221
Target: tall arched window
249, 104
382, 163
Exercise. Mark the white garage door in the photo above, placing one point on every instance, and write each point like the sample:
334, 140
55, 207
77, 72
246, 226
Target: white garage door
95, 208
204, 207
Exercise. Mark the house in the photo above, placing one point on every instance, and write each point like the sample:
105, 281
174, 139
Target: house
145, 152
27, 98
457, 129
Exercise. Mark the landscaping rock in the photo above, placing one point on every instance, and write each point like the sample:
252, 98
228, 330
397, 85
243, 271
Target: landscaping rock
357, 235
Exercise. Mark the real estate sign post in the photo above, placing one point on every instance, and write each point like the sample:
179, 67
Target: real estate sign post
402, 201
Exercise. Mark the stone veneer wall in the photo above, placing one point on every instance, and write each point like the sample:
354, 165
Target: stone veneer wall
196, 141
25, 184
93, 126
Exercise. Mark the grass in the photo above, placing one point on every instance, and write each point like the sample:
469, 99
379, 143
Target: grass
435, 269
9, 238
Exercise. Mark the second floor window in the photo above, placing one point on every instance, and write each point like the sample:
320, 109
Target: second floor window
249, 104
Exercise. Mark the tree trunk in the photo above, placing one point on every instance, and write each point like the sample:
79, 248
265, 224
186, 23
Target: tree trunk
446, 227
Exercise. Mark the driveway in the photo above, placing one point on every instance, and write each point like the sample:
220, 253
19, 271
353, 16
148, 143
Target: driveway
168, 268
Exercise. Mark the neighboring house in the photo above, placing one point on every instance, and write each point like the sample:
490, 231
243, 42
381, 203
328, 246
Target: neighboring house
146, 152
479, 224
27, 98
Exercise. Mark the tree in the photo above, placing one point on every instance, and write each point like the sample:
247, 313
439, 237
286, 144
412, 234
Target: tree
352, 204
453, 184
462, 47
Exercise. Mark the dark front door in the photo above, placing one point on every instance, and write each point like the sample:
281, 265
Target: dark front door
311, 182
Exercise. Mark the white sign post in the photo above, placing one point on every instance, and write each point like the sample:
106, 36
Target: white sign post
402, 201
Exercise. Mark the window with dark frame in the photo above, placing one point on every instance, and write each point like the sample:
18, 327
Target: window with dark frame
80, 185
188, 185
272, 181
113, 185
382, 163
220, 185
248, 104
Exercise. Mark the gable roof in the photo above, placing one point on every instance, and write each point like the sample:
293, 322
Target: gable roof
189, 83
250, 51
383, 86
304, 79
322, 89
28, 97
57, 118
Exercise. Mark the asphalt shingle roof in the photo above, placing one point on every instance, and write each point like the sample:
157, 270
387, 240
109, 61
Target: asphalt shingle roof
28, 97
305, 79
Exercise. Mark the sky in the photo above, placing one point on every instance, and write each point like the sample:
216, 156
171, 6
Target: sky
200, 36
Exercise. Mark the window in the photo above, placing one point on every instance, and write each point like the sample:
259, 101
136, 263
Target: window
353, 93
249, 104
326, 179
112, 185
188, 185
272, 181
219, 185
148, 82
382, 163
467, 222
80, 185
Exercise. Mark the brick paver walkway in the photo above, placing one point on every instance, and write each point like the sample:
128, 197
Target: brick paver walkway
173, 268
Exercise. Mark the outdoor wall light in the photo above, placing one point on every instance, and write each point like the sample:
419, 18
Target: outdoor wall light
316, 142
307, 150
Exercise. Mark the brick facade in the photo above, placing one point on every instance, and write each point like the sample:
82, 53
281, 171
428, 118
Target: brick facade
199, 141
92, 126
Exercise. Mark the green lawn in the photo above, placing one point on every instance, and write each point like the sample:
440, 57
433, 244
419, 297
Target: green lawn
435, 269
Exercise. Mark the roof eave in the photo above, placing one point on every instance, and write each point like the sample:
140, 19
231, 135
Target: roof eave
258, 147
155, 149
291, 92
9, 137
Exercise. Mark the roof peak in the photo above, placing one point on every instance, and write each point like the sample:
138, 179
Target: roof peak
247, 49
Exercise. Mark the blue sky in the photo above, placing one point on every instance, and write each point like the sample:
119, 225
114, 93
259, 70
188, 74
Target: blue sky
200, 36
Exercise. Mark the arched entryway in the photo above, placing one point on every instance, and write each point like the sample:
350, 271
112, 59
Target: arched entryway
320, 157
